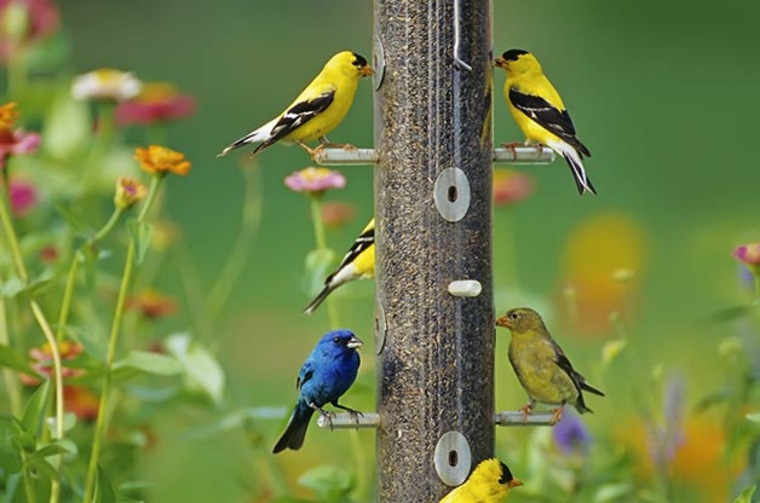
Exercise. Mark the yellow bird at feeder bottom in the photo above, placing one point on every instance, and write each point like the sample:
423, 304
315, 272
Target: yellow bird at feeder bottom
490, 482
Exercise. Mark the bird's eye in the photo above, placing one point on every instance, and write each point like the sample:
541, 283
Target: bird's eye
336, 340
514, 316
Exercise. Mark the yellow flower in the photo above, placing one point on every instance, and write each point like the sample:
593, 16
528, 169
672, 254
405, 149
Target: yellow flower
128, 192
8, 115
162, 160
106, 84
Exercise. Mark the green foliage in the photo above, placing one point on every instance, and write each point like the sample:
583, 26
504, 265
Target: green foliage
330, 484
746, 495
151, 363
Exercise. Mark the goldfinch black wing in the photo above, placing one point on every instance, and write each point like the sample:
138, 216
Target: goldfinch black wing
548, 116
564, 363
296, 116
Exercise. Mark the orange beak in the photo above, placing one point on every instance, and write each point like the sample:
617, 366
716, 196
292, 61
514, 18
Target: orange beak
514, 483
499, 62
366, 71
504, 322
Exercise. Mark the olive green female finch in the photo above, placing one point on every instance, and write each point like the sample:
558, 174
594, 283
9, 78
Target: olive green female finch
540, 364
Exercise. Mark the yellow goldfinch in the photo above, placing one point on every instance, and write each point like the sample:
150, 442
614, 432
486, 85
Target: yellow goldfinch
359, 263
540, 364
539, 112
317, 110
490, 482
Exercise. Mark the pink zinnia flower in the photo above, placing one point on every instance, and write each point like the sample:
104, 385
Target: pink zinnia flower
511, 187
749, 255
23, 197
157, 102
16, 143
315, 181
24, 22
42, 361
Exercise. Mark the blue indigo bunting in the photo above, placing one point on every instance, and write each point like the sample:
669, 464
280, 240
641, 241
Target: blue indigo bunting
327, 373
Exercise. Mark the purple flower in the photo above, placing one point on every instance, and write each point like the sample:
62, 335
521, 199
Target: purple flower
23, 197
666, 438
749, 255
315, 181
570, 434
16, 143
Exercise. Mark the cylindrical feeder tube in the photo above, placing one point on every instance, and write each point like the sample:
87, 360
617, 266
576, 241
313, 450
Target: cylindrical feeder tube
433, 201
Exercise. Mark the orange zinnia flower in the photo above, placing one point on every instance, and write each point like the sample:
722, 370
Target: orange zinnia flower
161, 160
128, 192
8, 115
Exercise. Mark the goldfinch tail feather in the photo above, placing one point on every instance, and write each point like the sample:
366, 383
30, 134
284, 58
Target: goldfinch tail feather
321, 296
573, 158
587, 387
258, 135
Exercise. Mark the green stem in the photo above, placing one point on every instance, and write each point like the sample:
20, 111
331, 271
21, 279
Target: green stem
18, 261
757, 294
11, 381
68, 293
113, 341
362, 481
235, 263
10, 235
103, 135
319, 236
31, 495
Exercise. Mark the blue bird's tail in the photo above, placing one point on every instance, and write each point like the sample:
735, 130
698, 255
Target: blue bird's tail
295, 432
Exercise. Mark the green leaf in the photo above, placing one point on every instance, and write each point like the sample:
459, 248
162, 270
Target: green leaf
69, 421
13, 360
152, 363
328, 482
746, 495
141, 233
40, 283
60, 446
729, 314
41, 465
77, 223
754, 417
67, 127
202, 371
715, 398
103, 492
613, 492
12, 287
34, 410
16, 286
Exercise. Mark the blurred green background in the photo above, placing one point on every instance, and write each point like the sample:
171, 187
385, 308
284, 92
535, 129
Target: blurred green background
663, 93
